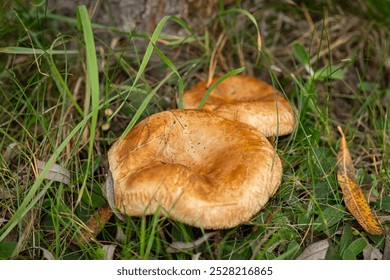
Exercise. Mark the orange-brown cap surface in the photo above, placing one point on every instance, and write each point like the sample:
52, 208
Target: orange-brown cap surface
196, 167
248, 100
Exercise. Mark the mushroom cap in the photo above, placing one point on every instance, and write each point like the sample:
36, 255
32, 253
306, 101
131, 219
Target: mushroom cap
196, 167
248, 100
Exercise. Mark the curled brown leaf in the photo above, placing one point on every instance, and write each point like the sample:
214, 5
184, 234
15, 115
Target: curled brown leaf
95, 223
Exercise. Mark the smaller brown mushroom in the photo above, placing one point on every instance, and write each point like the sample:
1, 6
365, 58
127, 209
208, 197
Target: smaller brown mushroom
248, 100
196, 167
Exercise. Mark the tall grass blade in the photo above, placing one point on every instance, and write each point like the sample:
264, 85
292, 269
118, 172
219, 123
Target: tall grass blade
92, 83
35, 51
59, 81
220, 80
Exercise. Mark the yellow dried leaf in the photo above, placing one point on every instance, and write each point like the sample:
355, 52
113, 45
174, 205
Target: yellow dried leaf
352, 193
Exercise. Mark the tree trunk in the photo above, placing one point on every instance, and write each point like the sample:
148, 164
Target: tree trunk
143, 16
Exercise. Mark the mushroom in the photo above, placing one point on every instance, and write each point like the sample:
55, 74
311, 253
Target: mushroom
195, 167
248, 100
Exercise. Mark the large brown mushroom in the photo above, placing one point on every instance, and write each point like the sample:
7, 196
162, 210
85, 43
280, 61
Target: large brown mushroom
248, 100
196, 167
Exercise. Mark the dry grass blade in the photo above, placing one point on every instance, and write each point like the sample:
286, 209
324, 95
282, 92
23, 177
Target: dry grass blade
384, 218
316, 251
352, 193
179, 246
214, 57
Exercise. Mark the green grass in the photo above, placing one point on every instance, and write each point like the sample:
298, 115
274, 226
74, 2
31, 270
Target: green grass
55, 89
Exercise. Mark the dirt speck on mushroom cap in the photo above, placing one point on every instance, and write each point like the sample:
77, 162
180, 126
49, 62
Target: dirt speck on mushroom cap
196, 167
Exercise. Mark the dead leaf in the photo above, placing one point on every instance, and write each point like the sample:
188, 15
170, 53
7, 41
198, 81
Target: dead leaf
196, 257
179, 246
120, 235
47, 254
109, 251
371, 253
386, 251
315, 251
352, 193
10, 152
2, 221
56, 172
5, 194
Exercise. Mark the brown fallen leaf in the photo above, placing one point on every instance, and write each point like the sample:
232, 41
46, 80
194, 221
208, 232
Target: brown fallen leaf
95, 223
352, 193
